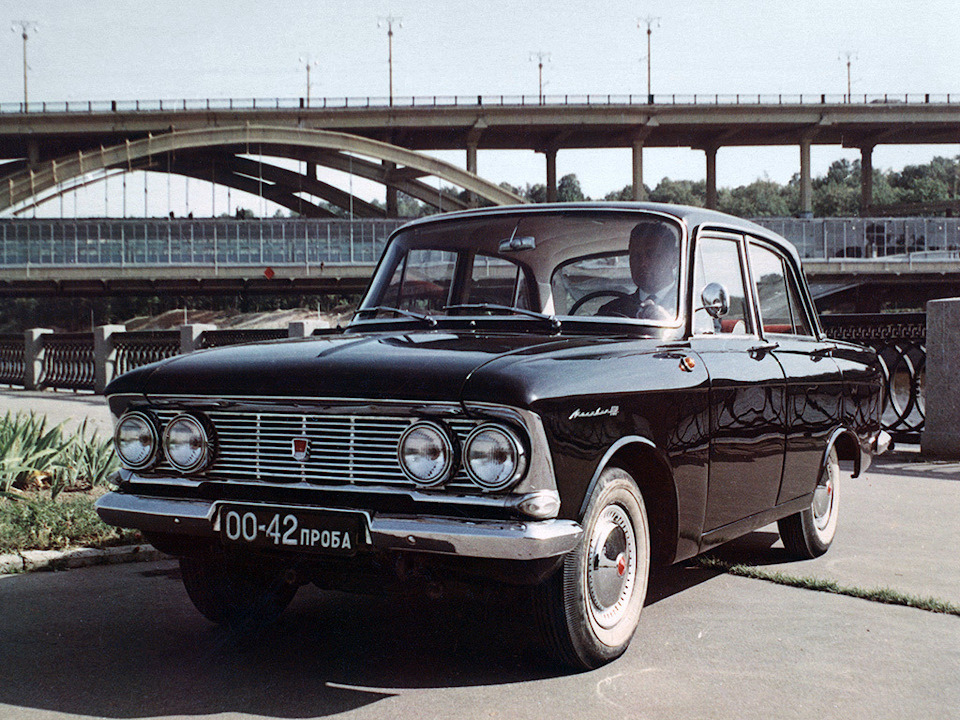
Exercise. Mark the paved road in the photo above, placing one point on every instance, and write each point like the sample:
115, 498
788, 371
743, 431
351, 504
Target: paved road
124, 642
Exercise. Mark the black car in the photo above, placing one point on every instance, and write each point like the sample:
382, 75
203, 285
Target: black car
555, 396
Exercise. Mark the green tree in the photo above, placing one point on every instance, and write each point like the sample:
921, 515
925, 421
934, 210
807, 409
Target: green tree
681, 192
568, 189
759, 198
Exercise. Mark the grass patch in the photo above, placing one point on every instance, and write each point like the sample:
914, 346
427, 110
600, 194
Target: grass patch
885, 596
40, 522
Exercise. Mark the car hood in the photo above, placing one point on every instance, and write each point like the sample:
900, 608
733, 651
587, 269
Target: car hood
421, 365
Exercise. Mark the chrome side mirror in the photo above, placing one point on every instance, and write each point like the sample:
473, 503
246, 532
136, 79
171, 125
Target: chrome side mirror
715, 300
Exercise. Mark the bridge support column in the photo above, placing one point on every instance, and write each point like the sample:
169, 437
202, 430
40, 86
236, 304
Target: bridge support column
711, 152
472, 167
551, 175
392, 202
866, 179
806, 179
639, 192
942, 412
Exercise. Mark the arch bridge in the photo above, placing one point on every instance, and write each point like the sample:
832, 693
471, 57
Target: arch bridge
221, 155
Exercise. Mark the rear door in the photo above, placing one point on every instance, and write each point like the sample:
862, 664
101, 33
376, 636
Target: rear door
814, 389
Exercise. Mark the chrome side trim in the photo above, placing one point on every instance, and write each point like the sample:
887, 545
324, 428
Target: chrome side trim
492, 539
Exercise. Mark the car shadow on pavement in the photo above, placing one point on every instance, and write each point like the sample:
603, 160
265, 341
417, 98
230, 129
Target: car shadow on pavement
125, 642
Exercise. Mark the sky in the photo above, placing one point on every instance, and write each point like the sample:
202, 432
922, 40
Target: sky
124, 49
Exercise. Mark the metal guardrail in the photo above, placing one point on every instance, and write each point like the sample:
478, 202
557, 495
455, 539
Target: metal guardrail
308, 243
437, 101
184, 243
900, 342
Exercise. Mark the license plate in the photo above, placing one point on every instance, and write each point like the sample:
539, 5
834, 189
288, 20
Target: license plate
329, 533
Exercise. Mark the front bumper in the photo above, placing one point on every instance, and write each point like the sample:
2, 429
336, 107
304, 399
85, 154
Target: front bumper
492, 539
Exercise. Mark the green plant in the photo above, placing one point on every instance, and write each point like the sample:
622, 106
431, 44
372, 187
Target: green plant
28, 447
87, 462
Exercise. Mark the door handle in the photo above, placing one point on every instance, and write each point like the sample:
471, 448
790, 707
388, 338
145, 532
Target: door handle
758, 351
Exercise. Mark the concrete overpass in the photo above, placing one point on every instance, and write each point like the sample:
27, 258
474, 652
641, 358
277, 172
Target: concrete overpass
45, 136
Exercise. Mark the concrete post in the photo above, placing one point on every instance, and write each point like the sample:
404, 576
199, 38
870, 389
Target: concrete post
866, 179
33, 358
806, 179
190, 336
551, 175
941, 428
639, 193
305, 328
104, 356
711, 153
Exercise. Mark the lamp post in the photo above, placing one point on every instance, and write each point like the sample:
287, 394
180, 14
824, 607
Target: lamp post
25, 27
389, 22
540, 56
850, 56
649, 21
308, 64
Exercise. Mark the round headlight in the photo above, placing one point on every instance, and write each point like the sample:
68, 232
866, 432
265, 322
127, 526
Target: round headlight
494, 457
136, 440
186, 443
426, 453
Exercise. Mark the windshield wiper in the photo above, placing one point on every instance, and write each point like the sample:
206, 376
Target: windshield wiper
552, 319
428, 319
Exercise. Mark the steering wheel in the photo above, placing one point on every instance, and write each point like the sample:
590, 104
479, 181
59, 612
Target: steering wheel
595, 294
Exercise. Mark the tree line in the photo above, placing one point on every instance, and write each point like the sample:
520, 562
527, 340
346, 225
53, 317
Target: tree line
835, 194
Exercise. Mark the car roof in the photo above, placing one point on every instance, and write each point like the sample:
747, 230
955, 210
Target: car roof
691, 217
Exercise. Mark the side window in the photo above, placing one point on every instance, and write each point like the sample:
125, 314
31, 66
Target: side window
780, 308
422, 281
718, 261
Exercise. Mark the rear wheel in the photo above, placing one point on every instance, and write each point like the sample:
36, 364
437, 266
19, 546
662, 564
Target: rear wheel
590, 608
231, 592
809, 533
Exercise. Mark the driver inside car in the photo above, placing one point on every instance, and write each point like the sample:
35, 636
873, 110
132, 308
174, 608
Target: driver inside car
654, 264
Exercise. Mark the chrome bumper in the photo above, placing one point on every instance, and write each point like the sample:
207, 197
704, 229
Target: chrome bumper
493, 539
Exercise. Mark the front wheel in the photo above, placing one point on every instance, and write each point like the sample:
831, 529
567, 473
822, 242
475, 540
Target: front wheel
590, 608
809, 533
233, 593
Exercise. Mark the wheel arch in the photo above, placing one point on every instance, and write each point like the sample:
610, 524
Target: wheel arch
847, 445
651, 472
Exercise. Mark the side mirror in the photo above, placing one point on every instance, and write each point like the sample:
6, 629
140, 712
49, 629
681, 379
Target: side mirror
715, 300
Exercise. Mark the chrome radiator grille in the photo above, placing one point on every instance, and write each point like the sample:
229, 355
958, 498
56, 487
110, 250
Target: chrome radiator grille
344, 449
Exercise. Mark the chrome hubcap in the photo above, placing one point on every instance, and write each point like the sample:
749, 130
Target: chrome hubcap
822, 503
612, 565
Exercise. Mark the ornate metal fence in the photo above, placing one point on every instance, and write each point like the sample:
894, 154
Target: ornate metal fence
11, 359
145, 346
900, 341
219, 338
68, 361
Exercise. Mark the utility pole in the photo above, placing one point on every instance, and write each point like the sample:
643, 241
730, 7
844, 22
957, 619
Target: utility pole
649, 21
25, 27
389, 20
308, 63
540, 56
850, 56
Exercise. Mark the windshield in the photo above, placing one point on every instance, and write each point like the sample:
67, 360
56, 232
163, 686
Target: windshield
587, 264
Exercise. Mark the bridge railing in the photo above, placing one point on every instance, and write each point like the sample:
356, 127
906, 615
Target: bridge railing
183, 243
168, 105
308, 243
